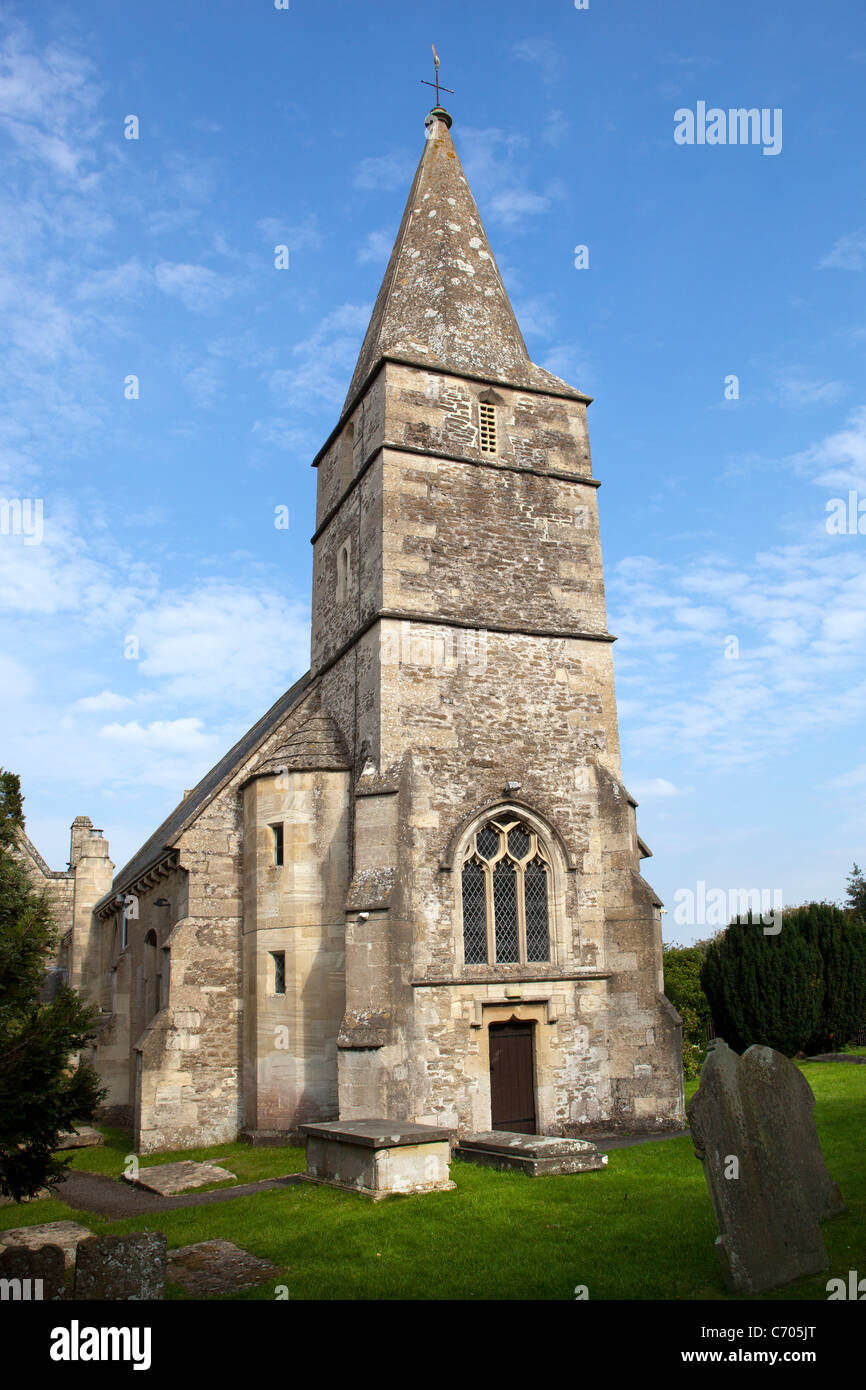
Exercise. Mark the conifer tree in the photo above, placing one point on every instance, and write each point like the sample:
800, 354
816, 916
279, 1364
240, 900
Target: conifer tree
856, 900
801, 989
41, 1092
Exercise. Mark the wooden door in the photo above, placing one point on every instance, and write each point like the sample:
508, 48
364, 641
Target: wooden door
512, 1077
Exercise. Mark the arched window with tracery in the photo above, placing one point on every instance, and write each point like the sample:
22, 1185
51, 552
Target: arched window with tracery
506, 890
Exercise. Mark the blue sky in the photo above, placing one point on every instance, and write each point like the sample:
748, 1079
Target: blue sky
155, 258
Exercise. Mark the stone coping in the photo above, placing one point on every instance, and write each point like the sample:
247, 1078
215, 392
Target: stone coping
378, 1133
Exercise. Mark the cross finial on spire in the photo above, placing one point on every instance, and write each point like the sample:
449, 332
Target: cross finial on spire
435, 83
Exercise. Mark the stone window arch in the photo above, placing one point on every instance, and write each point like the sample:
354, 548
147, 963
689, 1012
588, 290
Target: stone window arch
509, 890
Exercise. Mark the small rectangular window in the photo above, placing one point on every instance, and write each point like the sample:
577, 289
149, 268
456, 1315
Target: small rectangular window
278, 844
279, 959
487, 431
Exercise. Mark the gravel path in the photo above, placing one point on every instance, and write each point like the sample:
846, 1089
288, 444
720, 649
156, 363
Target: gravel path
116, 1199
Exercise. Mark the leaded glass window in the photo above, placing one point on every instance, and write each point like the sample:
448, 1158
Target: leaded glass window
537, 932
505, 911
506, 892
474, 914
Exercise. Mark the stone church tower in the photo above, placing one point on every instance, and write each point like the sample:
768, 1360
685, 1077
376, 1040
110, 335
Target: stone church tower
413, 889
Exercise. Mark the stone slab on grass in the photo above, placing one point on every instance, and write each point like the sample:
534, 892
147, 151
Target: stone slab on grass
167, 1179
130, 1267
217, 1267
85, 1137
66, 1234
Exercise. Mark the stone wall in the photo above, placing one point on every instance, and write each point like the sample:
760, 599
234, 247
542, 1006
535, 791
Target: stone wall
296, 909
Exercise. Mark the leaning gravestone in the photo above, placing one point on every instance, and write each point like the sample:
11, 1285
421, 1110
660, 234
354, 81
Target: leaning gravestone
754, 1132
121, 1267
32, 1275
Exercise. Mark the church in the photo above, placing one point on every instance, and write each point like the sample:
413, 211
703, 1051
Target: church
413, 889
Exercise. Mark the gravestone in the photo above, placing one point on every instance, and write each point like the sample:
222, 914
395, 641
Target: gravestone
84, 1137
130, 1268
65, 1234
213, 1267
39, 1273
167, 1179
754, 1132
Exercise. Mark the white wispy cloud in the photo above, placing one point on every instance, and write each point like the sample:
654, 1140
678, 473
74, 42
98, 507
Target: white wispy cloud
376, 247
728, 662
197, 286
555, 129
323, 361
175, 735
499, 167
797, 388
652, 788
384, 172
839, 460
847, 253
103, 702
540, 53
220, 636
298, 236
569, 363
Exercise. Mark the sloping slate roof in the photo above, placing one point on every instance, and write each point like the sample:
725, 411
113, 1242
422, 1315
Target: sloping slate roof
186, 810
442, 302
318, 743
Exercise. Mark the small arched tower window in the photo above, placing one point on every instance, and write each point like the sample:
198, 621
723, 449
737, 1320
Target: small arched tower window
344, 570
506, 891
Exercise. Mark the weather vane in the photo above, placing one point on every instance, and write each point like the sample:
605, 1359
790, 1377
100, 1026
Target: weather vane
436, 82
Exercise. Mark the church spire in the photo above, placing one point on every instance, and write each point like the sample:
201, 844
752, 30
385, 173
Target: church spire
442, 302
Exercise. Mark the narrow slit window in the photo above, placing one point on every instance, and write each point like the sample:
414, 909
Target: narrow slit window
277, 831
344, 569
487, 428
279, 960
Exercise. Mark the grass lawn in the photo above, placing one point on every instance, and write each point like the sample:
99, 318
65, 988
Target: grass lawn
641, 1229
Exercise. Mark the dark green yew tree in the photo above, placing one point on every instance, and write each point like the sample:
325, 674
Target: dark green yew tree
802, 989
